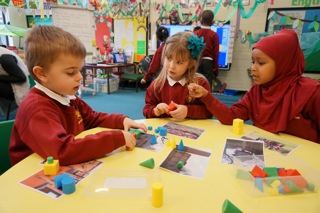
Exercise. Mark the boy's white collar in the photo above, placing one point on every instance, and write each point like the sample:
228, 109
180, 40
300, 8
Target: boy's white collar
172, 82
206, 27
64, 100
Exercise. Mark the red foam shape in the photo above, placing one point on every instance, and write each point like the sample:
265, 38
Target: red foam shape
282, 172
171, 107
258, 172
292, 172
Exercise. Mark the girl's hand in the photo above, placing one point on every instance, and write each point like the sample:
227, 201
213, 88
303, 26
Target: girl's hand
161, 109
180, 112
143, 81
197, 91
130, 140
128, 123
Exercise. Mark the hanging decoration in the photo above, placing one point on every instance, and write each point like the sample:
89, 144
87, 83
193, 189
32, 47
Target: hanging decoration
236, 4
252, 39
139, 8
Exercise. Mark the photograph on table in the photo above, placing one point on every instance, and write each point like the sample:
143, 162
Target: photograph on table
45, 183
272, 143
146, 142
190, 162
240, 147
183, 130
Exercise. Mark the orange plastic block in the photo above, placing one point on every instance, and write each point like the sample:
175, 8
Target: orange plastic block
258, 172
286, 188
171, 107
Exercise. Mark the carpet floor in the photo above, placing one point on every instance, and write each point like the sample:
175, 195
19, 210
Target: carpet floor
125, 101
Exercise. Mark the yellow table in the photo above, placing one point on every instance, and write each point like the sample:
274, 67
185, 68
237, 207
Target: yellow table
181, 193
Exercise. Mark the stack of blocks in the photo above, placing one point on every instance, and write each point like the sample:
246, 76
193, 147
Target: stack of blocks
51, 167
136, 133
64, 181
237, 126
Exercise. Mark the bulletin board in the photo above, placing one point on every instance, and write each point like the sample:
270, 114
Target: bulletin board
132, 35
308, 34
77, 21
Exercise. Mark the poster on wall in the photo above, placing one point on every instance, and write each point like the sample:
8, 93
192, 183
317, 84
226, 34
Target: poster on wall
33, 21
303, 21
102, 30
130, 35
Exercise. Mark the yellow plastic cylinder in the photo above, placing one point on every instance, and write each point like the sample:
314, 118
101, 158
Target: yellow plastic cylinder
157, 194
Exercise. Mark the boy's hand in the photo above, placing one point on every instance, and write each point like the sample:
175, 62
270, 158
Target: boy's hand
161, 109
128, 124
180, 112
130, 140
197, 91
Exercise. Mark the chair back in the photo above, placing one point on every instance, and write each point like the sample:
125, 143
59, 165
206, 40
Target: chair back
5, 135
31, 81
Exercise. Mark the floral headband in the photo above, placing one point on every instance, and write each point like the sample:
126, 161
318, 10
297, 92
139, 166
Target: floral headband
196, 45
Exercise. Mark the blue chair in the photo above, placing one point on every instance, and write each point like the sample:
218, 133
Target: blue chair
5, 132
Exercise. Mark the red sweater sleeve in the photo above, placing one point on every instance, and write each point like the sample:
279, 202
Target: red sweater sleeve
155, 64
307, 124
197, 109
48, 128
222, 112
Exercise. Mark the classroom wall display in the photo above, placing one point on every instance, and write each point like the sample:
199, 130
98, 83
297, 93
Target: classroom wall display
79, 22
102, 29
33, 21
131, 35
305, 21
225, 42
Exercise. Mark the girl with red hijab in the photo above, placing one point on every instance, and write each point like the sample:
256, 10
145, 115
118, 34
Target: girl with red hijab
281, 100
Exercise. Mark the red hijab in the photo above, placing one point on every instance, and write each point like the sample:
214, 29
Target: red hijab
275, 103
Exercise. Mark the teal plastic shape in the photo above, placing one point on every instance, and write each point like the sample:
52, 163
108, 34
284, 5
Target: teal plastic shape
153, 140
68, 185
180, 146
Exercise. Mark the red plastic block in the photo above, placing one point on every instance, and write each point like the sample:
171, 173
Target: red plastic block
292, 172
171, 107
282, 172
258, 172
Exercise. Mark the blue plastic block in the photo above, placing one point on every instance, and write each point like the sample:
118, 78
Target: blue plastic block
258, 183
58, 180
181, 146
68, 185
281, 189
163, 131
149, 128
153, 140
